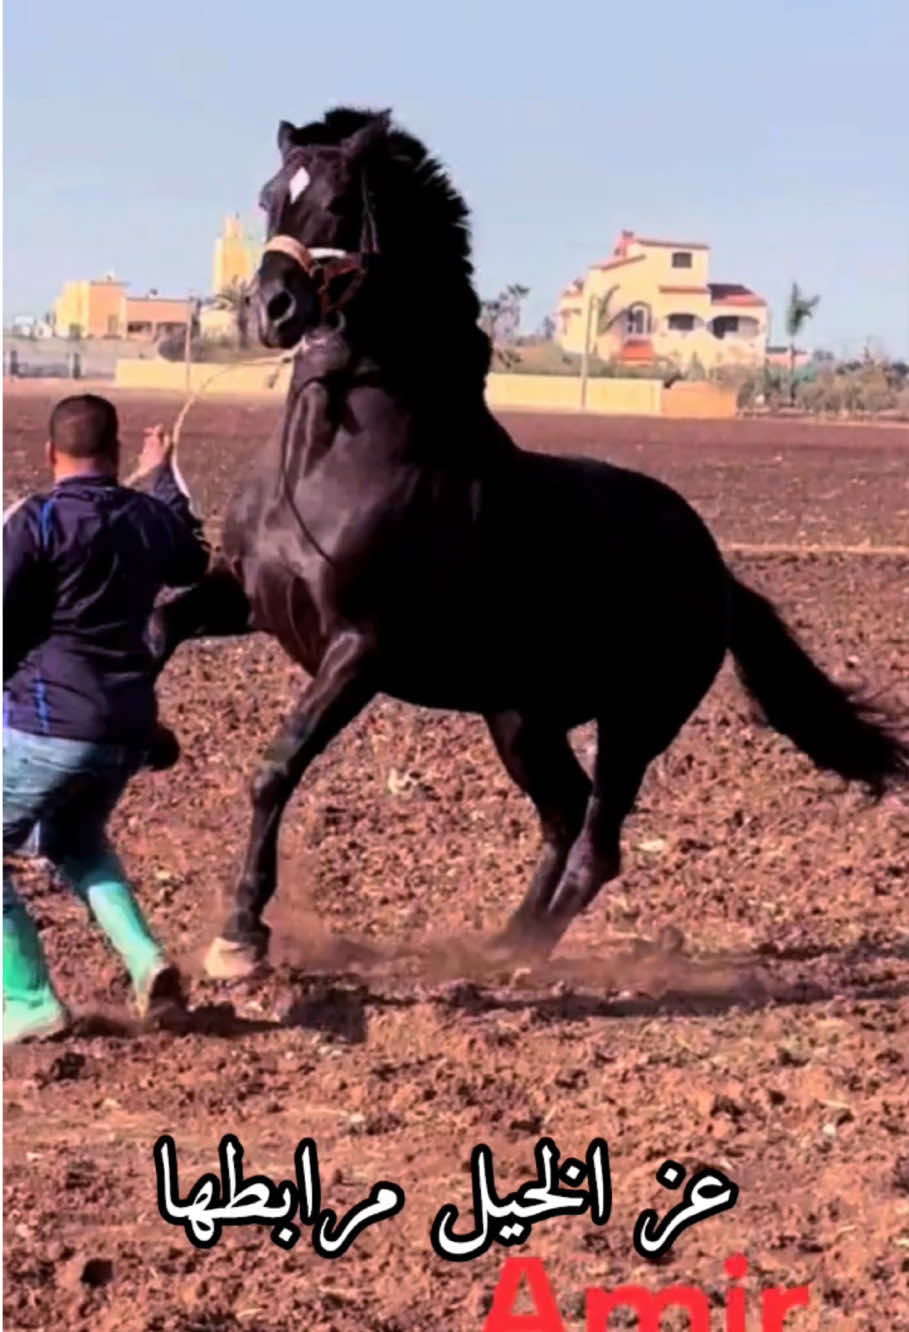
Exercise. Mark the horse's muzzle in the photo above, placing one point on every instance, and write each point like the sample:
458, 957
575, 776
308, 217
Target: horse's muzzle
277, 315
287, 302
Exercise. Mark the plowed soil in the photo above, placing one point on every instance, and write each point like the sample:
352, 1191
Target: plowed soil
774, 1045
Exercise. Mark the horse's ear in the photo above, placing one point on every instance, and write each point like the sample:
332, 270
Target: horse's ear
358, 143
286, 137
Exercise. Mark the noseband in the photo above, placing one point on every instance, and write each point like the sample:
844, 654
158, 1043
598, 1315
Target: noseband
323, 266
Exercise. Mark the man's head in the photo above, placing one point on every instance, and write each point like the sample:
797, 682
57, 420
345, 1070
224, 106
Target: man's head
83, 436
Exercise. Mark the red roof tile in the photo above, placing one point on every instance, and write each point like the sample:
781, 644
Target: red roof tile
733, 293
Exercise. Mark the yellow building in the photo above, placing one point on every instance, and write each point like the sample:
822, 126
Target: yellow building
152, 317
102, 309
90, 309
236, 258
653, 300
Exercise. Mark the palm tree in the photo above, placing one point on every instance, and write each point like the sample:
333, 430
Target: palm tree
489, 315
235, 297
600, 319
799, 310
605, 315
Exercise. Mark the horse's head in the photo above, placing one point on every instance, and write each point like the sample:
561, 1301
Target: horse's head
321, 230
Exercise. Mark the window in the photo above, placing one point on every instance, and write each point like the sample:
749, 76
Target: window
113, 326
724, 324
681, 323
681, 259
637, 321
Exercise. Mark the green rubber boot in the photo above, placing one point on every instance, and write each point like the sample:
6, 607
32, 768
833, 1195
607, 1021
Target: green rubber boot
31, 1009
155, 980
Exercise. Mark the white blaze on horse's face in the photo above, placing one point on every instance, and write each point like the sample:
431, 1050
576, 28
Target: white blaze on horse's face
298, 183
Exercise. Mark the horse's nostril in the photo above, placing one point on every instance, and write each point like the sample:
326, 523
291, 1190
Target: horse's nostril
280, 306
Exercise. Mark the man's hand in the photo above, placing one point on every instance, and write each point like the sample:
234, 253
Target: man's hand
157, 448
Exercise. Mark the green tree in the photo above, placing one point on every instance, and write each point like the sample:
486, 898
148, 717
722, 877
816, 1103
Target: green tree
500, 320
800, 309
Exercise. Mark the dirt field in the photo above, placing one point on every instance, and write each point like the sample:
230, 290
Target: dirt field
776, 1047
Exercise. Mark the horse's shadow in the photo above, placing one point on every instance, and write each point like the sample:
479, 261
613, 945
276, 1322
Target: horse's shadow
337, 1003
679, 1004
211, 1019
645, 982
338, 1012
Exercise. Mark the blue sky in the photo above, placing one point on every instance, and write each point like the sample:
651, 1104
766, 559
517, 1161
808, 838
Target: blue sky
779, 133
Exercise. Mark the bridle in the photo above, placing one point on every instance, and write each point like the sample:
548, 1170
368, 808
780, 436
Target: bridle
323, 265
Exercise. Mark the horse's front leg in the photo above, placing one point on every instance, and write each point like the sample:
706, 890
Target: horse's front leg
345, 683
216, 607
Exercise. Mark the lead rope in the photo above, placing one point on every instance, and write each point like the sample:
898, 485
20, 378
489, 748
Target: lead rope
192, 398
277, 362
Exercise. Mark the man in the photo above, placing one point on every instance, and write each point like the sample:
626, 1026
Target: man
82, 566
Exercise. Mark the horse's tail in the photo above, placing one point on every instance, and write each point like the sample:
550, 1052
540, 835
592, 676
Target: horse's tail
838, 729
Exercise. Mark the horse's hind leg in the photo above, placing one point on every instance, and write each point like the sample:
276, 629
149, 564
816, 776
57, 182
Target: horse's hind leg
215, 607
625, 748
342, 688
539, 758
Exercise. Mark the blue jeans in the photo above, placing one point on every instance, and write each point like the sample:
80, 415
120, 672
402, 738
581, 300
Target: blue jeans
71, 787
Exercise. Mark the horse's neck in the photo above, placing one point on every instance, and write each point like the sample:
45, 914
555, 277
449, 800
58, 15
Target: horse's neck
434, 415
421, 327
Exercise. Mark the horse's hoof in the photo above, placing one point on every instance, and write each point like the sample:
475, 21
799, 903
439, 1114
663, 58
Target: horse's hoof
227, 959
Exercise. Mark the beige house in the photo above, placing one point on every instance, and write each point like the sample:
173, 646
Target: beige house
653, 300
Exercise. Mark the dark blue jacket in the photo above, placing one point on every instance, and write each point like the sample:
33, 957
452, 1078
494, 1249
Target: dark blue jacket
82, 567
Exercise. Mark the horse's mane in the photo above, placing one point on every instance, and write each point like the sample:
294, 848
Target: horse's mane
422, 219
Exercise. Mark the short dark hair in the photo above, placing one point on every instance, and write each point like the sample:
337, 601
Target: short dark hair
85, 426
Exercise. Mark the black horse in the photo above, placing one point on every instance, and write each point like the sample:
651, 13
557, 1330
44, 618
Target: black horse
395, 540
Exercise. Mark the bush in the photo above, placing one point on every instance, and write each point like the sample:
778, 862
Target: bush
821, 394
216, 350
749, 382
533, 357
536, 358
874, 392
860, 389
